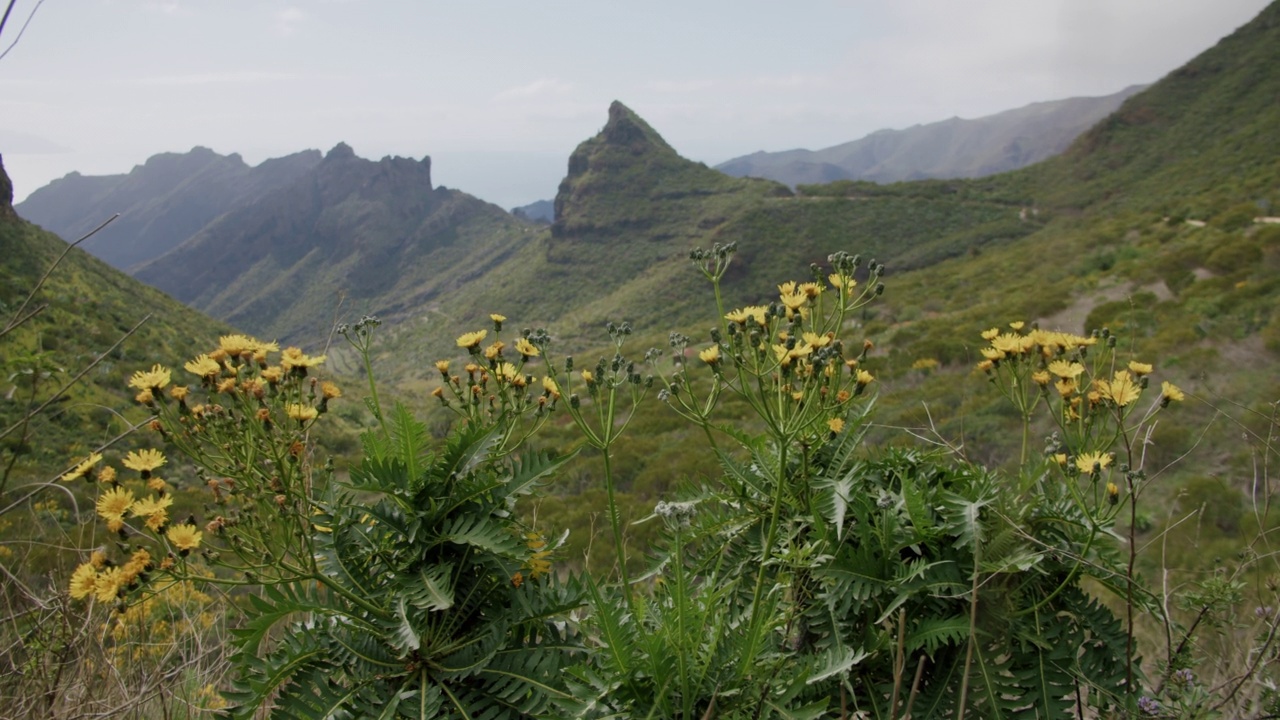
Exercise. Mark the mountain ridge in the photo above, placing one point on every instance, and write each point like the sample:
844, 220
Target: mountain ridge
952, 148
161, 202
350, 228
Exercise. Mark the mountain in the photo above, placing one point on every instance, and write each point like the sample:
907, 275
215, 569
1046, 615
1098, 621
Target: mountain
161, 202
349, 233
539, 210
1205, 130
952, 148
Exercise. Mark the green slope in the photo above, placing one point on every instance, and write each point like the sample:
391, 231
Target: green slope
86, 307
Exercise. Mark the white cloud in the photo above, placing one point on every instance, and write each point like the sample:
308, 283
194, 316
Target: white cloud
234, 78
288, 19
679, 86
540, 88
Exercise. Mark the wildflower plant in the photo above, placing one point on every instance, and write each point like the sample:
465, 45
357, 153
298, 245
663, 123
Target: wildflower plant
410, 588
1102, 410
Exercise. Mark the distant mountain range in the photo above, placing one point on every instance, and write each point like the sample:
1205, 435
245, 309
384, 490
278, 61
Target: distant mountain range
952, 148
368, 233
161, 203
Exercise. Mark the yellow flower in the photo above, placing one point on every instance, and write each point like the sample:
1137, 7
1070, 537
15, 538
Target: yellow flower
711, 355
991, 334
301, 412
204, 366
1113, 493
810, 289
795, 301
836, 425
273, 374
588, 377
84, 467
471, 340
254, 387
787, 288
526, 348
1171, 393
1012, 343
1041, 378
443, 366
842, 282
993, 354
114, 503
757, 313
83, 581
497, 318
156, 484
864, 378
330, 391
107, 585
1121, 390
1086, 462
986, 366
1017, 325
152, 506
816, 340
107, 474
549, 387
140, 561
179, 392
1060, 458
184, 537
293, 359
1066, 370
227, 386
1140, 369
495, 350
143, 460
1066, 387
237, 344
782, 355
154, 379
509, 373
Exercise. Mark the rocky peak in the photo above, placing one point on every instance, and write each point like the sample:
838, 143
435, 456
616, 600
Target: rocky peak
627, 129
341, 151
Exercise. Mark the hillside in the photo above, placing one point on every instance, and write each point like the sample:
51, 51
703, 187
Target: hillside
351, 233
954, 148
1089, 239
1204, 132
85, 307
161, 202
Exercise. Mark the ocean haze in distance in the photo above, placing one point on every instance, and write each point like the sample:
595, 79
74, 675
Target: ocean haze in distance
499, 96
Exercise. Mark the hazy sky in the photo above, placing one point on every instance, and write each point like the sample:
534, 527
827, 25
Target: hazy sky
499, 93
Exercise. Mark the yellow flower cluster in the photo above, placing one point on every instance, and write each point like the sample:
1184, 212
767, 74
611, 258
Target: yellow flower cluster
539, 563
496, 383
792, 346
243, 389
1057, 358
106, 583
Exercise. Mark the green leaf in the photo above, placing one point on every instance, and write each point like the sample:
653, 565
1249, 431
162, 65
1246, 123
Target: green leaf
432, 588
836, 661
482, 532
